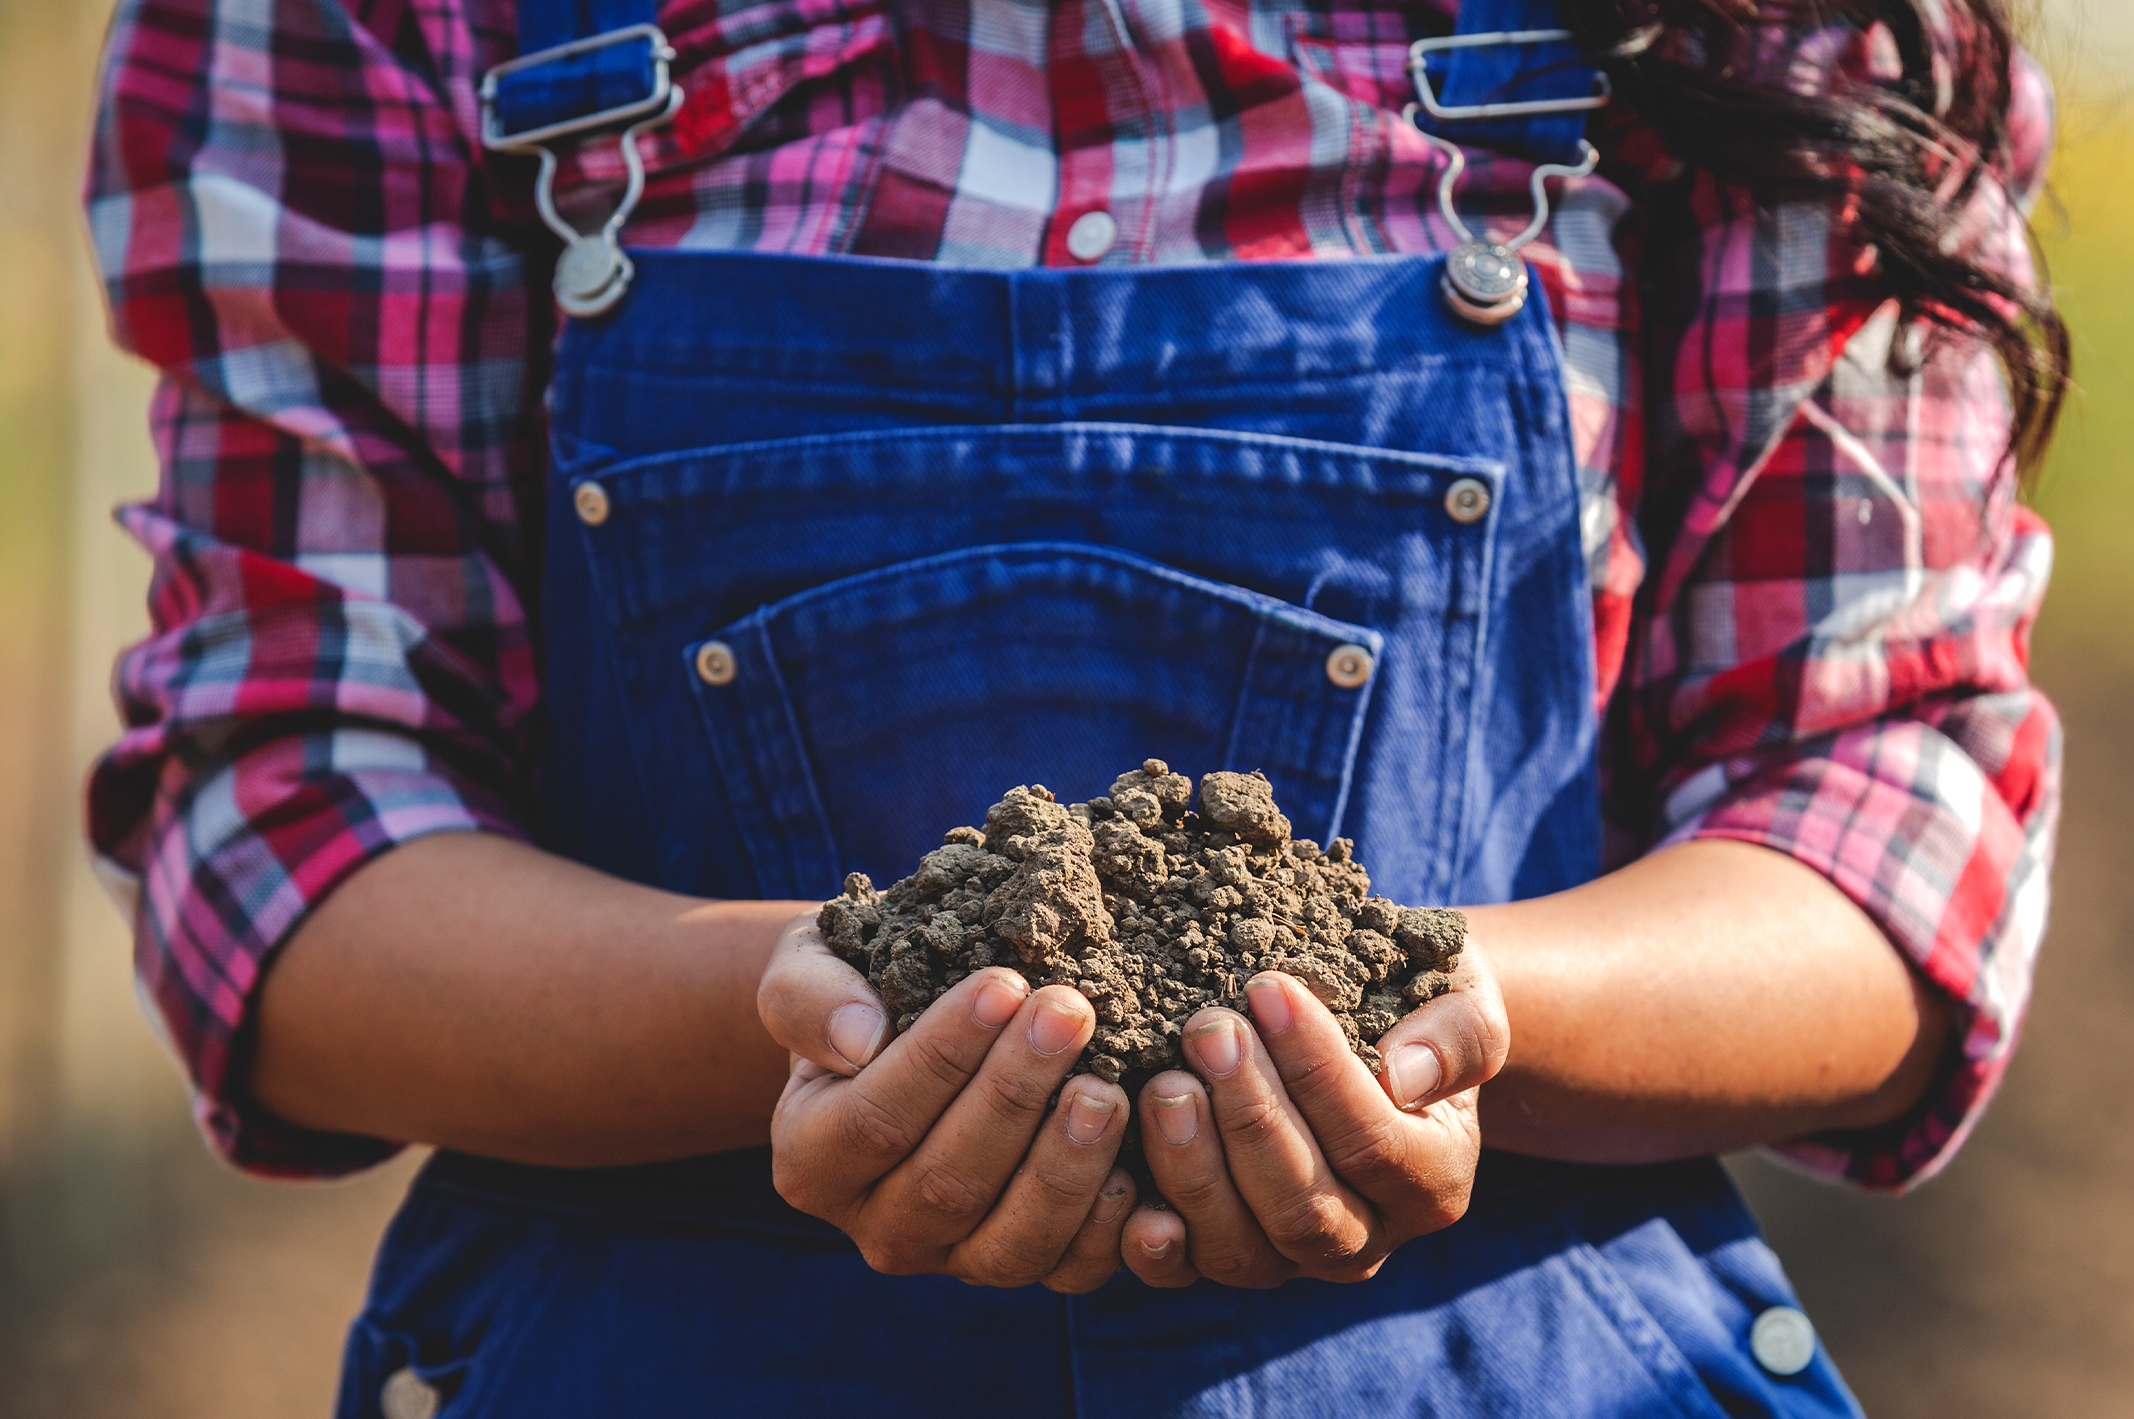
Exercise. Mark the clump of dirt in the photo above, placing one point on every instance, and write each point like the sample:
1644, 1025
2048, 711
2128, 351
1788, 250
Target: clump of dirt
1152, 910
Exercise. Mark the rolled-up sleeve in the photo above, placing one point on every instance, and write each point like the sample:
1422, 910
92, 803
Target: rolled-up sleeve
1831, 654
294, 228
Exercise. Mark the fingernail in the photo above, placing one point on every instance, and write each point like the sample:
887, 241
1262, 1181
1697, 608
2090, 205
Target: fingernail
1087, 1118
856, 1032
1270, 1004
1054, 1026
1110, 1203
1157, 1252
1413, 1072
998, 1000
1218, 1048
1176, 1119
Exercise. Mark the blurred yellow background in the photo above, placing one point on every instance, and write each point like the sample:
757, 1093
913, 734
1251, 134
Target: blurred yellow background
140, 1277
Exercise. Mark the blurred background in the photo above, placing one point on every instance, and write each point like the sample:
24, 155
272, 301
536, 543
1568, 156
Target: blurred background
140, 1277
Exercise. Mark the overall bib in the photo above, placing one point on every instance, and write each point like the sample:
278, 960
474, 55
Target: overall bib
838, 550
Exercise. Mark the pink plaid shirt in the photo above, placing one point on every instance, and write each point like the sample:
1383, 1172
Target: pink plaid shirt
1813, 585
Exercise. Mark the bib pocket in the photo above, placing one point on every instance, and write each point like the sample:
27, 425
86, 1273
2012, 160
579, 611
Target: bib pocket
826, 651
840, 716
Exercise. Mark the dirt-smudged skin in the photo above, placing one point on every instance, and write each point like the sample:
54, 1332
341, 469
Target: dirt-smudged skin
1152, 911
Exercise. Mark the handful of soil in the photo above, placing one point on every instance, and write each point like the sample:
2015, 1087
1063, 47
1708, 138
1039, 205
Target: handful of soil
1150, 909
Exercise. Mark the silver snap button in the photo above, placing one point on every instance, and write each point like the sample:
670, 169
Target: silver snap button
1782, 1340
1349, 666
589, 275
1484, 284
1091, 235
407, 1395
715, 663
591, 502
1467, 500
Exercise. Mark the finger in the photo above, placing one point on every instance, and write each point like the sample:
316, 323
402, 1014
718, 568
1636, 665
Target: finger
1224, 1241
833, 1137
1046, 1200
1451, 1044
1153, 1246
1310, 1216
1092, 1258
1416, 1175
939, 1194
816, 1005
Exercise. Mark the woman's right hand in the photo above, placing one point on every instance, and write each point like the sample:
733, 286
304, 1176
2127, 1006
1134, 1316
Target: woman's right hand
935, 1150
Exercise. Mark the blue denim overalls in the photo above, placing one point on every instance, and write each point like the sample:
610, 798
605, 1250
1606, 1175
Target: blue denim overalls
840, 549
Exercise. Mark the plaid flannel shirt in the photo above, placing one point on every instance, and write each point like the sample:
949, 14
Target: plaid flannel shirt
1813, 586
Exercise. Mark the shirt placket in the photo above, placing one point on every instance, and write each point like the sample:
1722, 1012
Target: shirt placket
1109, 136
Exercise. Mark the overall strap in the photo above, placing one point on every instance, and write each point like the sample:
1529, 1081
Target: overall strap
583, 66
1510, 79
1522, 96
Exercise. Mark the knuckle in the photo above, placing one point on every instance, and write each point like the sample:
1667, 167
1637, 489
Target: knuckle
1254, 1123
1310, 1225
1370, 1152
869, 1128
1010, 1261
1014, 1096
1080, 1280
795, 1184
1350, 1273
1444, 1209
1196, 1192
1312, 1079
933, 1053
889, 1256
1059, 1190
951, 1194
1232, 1265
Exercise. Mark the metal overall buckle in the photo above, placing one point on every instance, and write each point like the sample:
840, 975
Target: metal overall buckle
1485, 283
593, 272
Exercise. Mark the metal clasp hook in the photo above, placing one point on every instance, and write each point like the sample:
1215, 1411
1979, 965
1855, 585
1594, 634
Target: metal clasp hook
593, 272
1485, 283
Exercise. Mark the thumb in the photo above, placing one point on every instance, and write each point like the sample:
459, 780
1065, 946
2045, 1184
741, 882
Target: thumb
818, 1007
1451, 1044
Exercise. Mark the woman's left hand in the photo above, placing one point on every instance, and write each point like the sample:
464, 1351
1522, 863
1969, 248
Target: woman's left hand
1292, 1160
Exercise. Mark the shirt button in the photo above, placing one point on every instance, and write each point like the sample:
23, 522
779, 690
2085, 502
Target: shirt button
1782, 1340
1349, 666
407, 1395
1091, 235
591, 502
715, 663
1467, 500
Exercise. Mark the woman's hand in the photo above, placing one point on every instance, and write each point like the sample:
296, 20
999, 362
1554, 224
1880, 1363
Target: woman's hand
936, 1151
1293, 1160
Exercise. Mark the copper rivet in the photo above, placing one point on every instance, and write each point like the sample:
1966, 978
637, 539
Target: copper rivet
715, 663
1467, 500
1349, 666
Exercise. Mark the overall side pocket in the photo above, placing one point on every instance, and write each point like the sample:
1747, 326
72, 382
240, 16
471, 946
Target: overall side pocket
842, 717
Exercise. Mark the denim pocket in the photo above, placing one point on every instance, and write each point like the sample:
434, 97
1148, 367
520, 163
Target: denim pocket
840, 716
909, 622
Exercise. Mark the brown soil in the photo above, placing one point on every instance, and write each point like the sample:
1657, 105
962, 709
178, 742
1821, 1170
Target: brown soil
1150, 909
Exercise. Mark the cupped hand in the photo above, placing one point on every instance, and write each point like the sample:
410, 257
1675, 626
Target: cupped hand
1291, 1159
938, 1150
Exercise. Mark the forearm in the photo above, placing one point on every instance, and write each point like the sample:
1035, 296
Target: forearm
476, 993
1713, 996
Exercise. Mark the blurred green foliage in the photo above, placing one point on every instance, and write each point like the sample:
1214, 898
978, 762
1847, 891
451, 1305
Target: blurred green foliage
2087, 490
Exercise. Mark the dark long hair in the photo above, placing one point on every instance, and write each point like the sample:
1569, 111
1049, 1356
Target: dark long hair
1906, 152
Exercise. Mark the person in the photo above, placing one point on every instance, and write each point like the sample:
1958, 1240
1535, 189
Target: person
1578, 466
